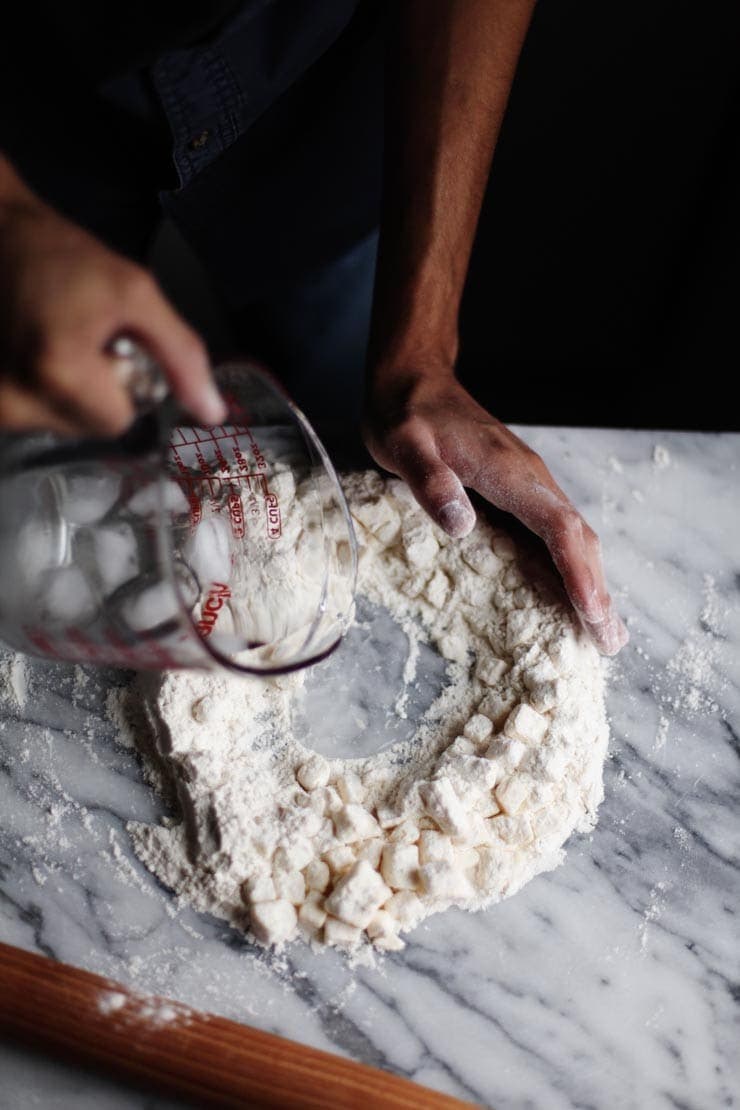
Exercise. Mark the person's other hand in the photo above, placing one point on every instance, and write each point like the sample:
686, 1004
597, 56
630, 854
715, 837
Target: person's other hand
63, 297
429, 431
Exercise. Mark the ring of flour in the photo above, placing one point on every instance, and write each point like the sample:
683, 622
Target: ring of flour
505, 765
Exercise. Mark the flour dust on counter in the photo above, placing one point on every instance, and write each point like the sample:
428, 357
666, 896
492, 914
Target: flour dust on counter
479, 797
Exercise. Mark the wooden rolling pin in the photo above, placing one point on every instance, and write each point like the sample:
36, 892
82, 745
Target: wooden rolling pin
167, 1047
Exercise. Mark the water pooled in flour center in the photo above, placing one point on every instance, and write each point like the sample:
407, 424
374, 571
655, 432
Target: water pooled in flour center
374, 689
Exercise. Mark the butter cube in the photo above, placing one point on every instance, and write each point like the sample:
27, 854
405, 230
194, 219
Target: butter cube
434, 846
350, 788
357, 895
406, 907
317, 875
400, 866
443, 880
490, 669
259, 888
314, 773
512, 793
353, 822
273, 922
443, 805
478, 728
290, 886
341, 935
526, 724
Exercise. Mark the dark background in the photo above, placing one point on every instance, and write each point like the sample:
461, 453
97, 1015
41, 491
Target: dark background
604, 283
606, 270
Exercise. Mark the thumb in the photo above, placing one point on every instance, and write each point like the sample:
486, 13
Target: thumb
436, 487
182, 356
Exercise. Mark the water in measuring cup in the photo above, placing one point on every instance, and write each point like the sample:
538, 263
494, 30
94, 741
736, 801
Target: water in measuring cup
256, 540
246, 537
79, 555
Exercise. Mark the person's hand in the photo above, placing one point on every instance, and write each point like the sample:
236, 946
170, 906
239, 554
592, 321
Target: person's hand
63, 297
429, 431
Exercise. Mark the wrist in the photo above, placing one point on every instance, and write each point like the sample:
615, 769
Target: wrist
409, 372
396, 391
410, 352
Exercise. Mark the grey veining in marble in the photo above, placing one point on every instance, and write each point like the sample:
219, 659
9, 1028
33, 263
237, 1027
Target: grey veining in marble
610, 983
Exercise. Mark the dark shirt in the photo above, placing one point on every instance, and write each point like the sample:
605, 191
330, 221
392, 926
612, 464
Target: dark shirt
110, 111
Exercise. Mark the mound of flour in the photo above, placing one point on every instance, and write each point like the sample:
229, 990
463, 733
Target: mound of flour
507, 762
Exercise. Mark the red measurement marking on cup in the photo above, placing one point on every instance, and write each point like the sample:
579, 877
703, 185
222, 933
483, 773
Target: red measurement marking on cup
194, 505
236, 514
85, 647
229, 478
274, 523
212, 606
74, 645
41, 641
146, 652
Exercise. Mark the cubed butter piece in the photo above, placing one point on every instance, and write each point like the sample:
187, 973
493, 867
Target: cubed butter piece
444, 880
259, 888
442, 804
420, 545
513, 793
497, 706
357, 895
480, 558
526, 724
314, 773
514, 831
293, 854
371, 850
317, 875
437, 588
478, 728
353, 822
406, 907
521, 627
434, 846
273, 922
350, 788
405, 833
341, 935
340, 859
312, 915
490, 669
400, 866
290, 885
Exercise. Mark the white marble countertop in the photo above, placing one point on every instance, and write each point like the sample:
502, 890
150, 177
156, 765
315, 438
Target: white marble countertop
610, 983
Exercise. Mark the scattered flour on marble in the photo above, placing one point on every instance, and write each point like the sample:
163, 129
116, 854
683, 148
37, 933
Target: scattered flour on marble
653, 911
413, 634
14, 680
38, 876
661, 457
661, 733
504, 766
692, 669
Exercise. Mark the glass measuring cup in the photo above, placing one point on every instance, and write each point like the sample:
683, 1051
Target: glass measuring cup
178, 545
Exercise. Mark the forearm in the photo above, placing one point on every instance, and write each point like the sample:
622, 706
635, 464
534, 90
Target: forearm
449, 71
13, 190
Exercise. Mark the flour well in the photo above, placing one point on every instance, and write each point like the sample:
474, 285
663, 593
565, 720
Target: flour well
506, 763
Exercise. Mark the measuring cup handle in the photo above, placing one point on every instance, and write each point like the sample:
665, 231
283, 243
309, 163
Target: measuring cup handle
138, 372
